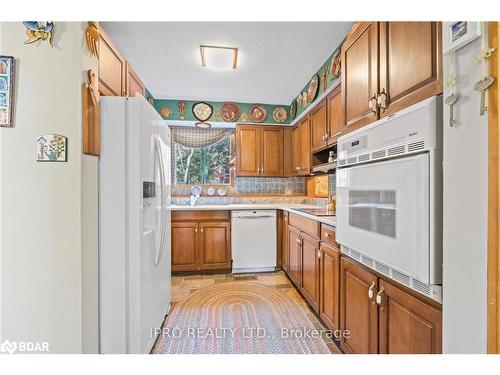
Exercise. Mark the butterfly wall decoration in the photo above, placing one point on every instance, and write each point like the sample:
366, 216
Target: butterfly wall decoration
38, 31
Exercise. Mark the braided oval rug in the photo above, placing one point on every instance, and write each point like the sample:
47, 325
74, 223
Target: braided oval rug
238, 318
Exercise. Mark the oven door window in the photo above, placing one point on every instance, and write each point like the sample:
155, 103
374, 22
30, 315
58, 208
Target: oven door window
373, 210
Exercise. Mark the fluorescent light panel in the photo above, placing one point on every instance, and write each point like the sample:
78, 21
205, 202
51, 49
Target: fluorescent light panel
216, 57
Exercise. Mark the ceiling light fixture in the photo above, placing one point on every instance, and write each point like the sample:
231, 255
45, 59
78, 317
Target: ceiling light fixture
217, 57
203, 125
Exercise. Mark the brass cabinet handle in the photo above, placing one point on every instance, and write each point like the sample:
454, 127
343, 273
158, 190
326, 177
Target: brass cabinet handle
327, 235
372, 104
319, 253
196, 229
201, 228
380, 296
382, 100
370, 291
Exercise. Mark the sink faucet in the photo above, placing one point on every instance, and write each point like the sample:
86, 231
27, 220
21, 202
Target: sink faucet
193, 199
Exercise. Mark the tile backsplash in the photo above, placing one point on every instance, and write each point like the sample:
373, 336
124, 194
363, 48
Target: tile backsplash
260, 186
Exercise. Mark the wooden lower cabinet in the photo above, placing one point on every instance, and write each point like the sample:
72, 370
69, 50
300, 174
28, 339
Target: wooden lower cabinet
184, 246
398, 323
294, 256
329, 286
215, 245
201, 241
310, 270
358, 313
284, 243
406, 324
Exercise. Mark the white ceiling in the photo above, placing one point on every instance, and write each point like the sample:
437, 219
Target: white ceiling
275, 60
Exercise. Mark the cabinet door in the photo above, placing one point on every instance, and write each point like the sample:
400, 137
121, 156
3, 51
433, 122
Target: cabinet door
319, 126
358, 313
247, 150
359, 56
294, 256
288, 167
310, 270
112, 67
305, 147
410, 64
335, 115
407, 325
134, 83
329, 310
284, 243
296, 151
215, 245
272, 151
185, 246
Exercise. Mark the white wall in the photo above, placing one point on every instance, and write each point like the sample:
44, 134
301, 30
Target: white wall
465, 213
49, 225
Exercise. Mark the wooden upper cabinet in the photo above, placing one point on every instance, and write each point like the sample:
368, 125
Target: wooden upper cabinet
358, 313
407, 325
319, 129
185, 256
296, 150
329, 310
247, 150
410, 64
259, 150
215, 245
112, 67
335, 115
134, 83
272, 151
287, 152
359, 55
305, 147
310, 270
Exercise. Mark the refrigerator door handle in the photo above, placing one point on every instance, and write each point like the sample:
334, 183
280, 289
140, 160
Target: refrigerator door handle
163, 202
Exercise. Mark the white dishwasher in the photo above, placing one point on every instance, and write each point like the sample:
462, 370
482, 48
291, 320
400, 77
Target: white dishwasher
253, 240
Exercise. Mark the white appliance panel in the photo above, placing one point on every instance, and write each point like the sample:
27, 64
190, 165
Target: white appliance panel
383, 212
135, 303
253, 240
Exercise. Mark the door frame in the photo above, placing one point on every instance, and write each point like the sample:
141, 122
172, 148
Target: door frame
494, 195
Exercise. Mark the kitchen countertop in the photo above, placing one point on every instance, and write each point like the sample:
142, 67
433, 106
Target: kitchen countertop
289, 207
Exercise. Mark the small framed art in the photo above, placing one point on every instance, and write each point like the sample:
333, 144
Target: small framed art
459, 33
6, 90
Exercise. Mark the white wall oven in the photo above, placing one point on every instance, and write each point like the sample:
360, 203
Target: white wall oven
389, 196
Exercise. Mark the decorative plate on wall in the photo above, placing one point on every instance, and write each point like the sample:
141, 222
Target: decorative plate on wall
312, 90
258, 113
230, 112
202, 111
165, 112
279, 114
293, 109
335, 67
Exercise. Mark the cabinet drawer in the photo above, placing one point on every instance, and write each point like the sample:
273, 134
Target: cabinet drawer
199, 215
328, 235
309, 226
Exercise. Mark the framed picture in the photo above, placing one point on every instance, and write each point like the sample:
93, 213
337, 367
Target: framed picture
459, 33
52, 147
6, 90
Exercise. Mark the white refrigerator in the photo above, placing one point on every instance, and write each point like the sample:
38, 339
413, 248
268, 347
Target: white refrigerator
134, 225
